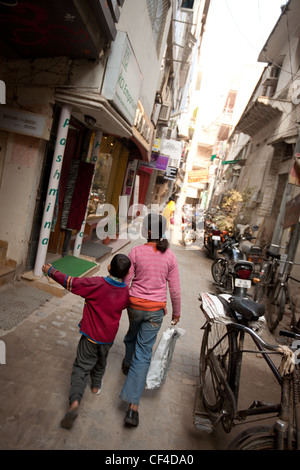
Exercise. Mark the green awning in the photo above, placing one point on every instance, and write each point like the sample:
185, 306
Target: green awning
229, 162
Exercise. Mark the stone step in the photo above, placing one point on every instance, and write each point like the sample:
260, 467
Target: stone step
7, 274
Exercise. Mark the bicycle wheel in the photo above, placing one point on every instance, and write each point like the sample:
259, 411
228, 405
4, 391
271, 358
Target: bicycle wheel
257, 438
275, 310
261, 287
272, 282
218, 269
223, 343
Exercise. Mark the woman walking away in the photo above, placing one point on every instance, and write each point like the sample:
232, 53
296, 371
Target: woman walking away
153, 267
169, 211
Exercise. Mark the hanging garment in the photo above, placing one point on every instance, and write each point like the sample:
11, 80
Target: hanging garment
68, 193
80, 195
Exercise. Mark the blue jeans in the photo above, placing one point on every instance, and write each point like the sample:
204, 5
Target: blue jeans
139, 341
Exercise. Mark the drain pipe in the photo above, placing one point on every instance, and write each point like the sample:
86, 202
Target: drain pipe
94, 159
61, 139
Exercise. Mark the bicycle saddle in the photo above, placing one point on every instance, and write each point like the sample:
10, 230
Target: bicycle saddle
273, 255
242, 309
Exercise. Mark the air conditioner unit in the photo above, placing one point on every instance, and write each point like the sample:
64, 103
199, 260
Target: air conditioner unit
165, 111
155, 114
271, 78
257, 196
255, 199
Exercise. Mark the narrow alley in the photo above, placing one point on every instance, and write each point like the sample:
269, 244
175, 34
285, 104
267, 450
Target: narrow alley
34, 383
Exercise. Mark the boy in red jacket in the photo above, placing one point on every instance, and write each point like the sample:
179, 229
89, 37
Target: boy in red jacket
105, 298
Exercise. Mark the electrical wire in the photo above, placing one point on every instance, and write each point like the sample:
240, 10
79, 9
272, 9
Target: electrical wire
251, 45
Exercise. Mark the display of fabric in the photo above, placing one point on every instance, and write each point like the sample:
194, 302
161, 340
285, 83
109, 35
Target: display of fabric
68, 194
80, 195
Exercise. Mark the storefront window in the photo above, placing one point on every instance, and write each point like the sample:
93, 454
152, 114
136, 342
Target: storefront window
100, 183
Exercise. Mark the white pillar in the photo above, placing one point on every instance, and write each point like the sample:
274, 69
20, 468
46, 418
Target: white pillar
62, 132
94, 159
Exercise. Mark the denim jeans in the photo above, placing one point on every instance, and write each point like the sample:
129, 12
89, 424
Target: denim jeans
139, 341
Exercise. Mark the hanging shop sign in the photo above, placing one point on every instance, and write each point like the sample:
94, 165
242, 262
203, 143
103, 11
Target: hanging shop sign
143, 129
198, 176
146, 168
123, 78
23, 122
171, 173
156, 145
143, 124
191, 192
129, 178
172, 148
159, 162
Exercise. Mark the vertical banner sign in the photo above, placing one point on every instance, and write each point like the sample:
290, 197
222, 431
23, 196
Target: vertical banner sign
94, 159
136, 191
62, 133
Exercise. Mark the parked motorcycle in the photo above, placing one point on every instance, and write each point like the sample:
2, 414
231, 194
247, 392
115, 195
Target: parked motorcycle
230, 271
252, 252
192, 228
213, 239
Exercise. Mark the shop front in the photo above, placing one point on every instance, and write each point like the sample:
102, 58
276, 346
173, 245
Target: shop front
86, 172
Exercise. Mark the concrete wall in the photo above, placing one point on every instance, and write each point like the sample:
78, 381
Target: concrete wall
19, 182
21, 161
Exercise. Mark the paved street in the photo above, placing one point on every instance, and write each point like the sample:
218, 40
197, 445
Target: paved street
34, 383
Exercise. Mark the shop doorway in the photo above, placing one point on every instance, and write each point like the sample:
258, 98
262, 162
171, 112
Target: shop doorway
144, 183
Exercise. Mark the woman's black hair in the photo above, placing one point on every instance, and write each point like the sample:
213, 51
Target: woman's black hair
119, 266
154, 226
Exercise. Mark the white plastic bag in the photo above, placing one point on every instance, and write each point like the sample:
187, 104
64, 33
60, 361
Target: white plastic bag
162, 357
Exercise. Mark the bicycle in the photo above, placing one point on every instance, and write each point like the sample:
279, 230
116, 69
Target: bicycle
264, 285
220, 366
281, 298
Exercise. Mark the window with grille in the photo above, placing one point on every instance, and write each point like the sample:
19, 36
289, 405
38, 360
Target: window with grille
158, 10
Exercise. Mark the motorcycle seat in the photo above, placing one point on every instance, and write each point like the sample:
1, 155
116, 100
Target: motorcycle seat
243, 262
243, 309
255, 249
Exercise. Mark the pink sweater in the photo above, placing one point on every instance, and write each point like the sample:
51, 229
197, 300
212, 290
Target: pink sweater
150, 273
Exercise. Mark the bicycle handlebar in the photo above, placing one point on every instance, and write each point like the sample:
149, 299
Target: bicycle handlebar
288, 262
259, 340
289, 334
294, 279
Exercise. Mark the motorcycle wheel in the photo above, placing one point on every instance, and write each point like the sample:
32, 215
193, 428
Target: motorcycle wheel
218, 269
189, 237
228, 283
214, 251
